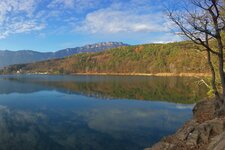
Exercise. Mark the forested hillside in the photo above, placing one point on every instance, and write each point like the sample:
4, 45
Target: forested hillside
180, 57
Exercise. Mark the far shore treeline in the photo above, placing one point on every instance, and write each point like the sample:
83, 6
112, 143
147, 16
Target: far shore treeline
175, 58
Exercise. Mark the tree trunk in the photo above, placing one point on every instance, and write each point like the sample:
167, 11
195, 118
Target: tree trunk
213, 80
221, 65
221, 73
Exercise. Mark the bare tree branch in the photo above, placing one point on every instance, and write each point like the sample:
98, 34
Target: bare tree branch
190, 34
201, 22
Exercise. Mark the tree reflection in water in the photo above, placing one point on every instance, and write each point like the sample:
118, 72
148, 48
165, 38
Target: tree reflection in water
66, 113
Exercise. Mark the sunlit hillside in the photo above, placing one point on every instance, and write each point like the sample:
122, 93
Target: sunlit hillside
180, 57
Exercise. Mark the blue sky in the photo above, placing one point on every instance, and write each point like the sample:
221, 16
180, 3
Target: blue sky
49, 25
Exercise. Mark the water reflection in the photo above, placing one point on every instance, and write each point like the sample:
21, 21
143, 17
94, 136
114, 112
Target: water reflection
172, 89
82, 123
54, 113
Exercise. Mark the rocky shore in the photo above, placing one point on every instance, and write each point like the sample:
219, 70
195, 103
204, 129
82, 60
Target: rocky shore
205, 131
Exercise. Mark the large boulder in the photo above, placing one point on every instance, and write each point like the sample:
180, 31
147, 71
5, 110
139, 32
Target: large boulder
218, 142
205, 110
201, 133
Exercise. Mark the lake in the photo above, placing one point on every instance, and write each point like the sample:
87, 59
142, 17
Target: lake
46, 112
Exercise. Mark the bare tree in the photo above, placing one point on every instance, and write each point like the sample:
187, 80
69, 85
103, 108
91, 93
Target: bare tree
202, 21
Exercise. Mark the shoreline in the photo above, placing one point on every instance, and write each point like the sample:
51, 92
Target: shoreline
125, 74
204, 131
148, 74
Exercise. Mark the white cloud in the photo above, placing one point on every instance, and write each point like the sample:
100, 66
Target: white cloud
166, 38
62, 3
20, 27
17, 6
17, 16
111, 17
78, 5
117, 19
27, 26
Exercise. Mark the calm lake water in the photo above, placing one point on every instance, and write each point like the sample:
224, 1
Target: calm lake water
42, 112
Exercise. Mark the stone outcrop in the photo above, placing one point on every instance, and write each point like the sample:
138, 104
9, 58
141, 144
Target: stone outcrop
206, 131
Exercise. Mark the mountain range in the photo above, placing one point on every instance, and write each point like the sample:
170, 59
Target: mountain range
8, 57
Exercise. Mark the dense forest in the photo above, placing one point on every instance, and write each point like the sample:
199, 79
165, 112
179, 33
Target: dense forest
178, 57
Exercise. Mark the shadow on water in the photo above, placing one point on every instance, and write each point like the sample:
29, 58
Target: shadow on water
170, 89
71, 113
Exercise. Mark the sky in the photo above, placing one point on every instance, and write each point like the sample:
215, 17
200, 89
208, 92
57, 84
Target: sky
50, 25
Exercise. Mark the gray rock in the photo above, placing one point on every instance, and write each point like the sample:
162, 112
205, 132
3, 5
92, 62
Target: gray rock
204, 131
217, 143
162, 146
